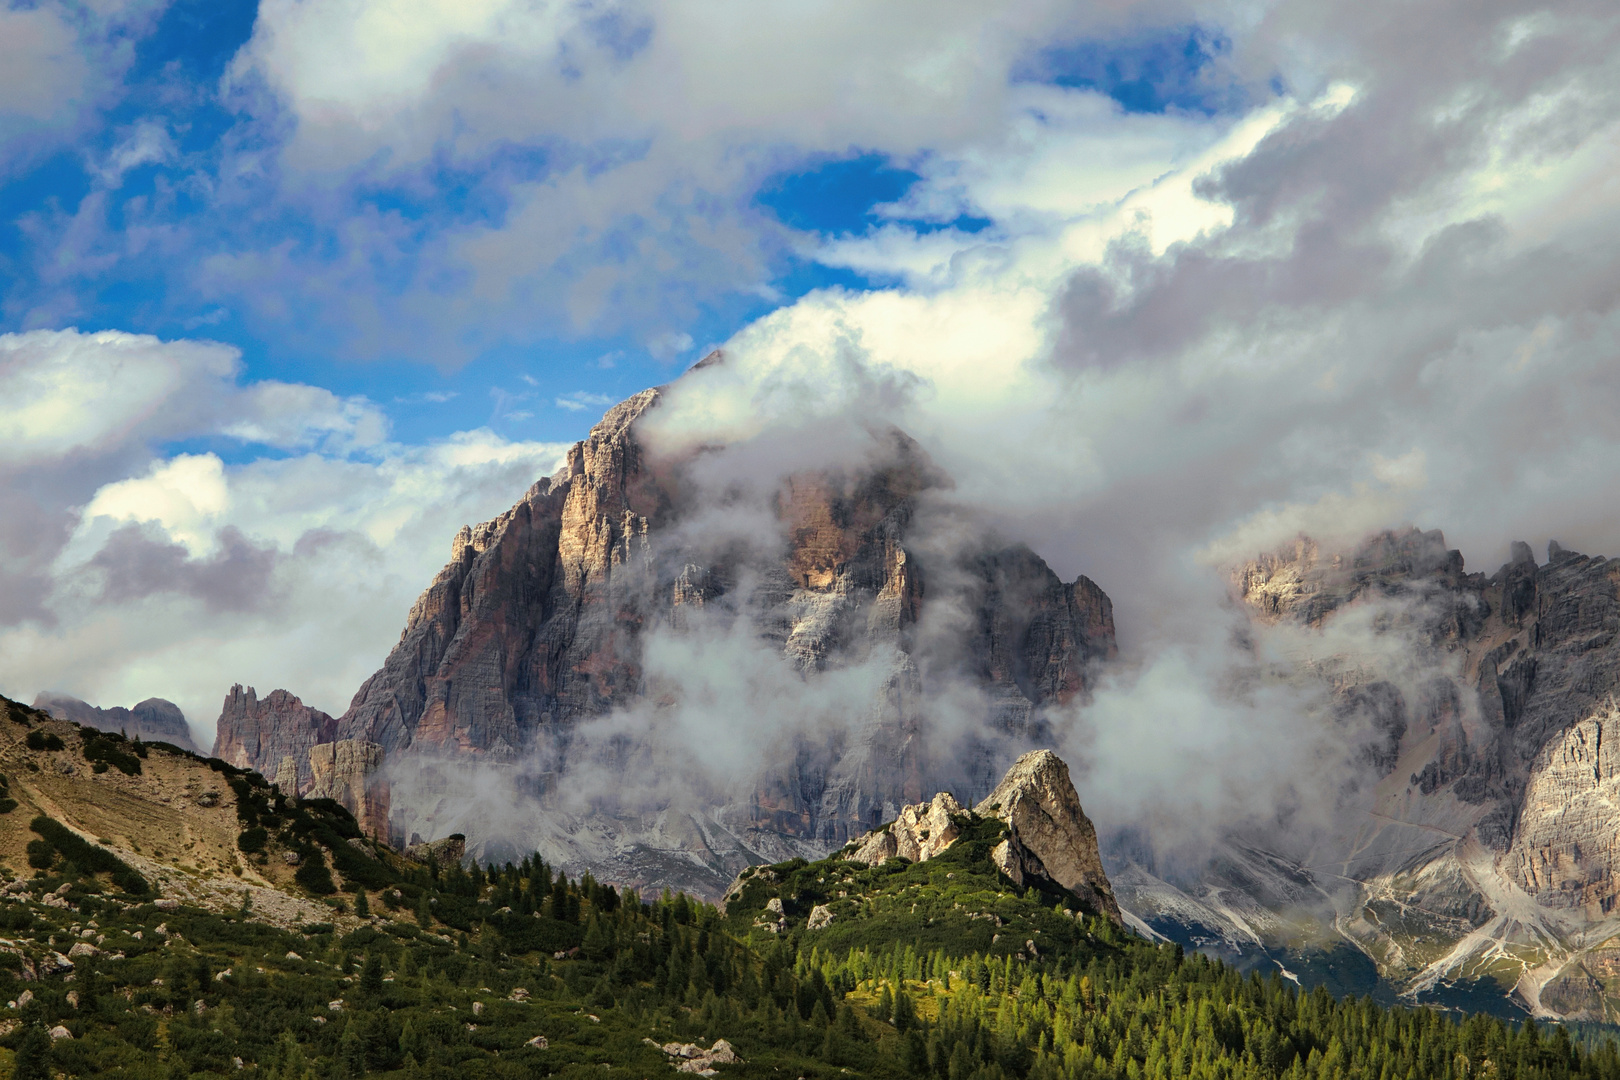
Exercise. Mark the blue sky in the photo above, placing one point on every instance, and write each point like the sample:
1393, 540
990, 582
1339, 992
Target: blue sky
107, 217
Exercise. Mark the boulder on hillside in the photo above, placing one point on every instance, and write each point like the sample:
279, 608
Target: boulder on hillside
445, 852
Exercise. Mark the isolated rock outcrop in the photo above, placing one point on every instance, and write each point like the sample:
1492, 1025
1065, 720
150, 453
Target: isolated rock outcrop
258, 734
445, 852
153, 720
1049, 835
917, 835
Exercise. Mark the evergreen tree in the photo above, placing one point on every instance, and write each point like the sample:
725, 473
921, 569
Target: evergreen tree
371, 975
33, 1055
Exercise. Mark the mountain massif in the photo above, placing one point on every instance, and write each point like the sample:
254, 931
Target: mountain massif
540, 624
152, 720
553, 689
1476, 861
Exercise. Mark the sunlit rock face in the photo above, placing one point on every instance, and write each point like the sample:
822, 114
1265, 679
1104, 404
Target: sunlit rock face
1566, 849
541, 621
152, 720
350, 772
1048, 833
920, 832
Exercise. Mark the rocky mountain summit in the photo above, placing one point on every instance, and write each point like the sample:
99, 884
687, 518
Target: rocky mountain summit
152, 720
539, 626
1475, 857
263, 734
1049, 836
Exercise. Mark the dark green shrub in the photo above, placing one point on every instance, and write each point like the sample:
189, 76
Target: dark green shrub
7, 805
253, 840
43, 740
103, 750
33, 1060
86, 856
314, 875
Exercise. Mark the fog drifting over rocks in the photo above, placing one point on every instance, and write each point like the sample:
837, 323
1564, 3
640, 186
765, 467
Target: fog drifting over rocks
1386, 294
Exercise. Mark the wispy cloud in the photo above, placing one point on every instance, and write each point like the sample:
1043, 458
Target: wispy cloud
579, 401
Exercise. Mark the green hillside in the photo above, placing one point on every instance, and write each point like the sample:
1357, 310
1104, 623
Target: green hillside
936, 969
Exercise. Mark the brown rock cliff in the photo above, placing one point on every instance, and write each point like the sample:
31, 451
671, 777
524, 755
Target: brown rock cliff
258, 734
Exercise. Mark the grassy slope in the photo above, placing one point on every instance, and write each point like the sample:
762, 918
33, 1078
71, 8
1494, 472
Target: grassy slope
457, 971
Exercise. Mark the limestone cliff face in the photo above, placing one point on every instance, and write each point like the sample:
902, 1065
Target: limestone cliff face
1480, 821
153, 720
1520, 658
260, 734
351, 773
539, 622
1049, 835
533, 620
1566, 850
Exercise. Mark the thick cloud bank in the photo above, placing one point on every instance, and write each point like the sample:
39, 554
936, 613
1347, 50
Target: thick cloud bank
1390, 299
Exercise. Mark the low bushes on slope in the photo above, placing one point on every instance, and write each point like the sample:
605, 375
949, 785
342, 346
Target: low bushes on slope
58, 843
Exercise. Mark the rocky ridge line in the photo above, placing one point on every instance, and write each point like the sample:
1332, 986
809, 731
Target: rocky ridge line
152, 720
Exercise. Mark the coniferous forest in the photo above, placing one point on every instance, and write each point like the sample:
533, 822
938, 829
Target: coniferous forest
936, 969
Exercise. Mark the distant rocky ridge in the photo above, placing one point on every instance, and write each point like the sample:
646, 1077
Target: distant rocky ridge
1485, 863
539, 620
152, 720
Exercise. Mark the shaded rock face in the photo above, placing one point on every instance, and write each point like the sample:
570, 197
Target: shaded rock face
153, 720
1480, 821
259, 734
1520, 657
540, 619
350, 772
1049, 835
445, 852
